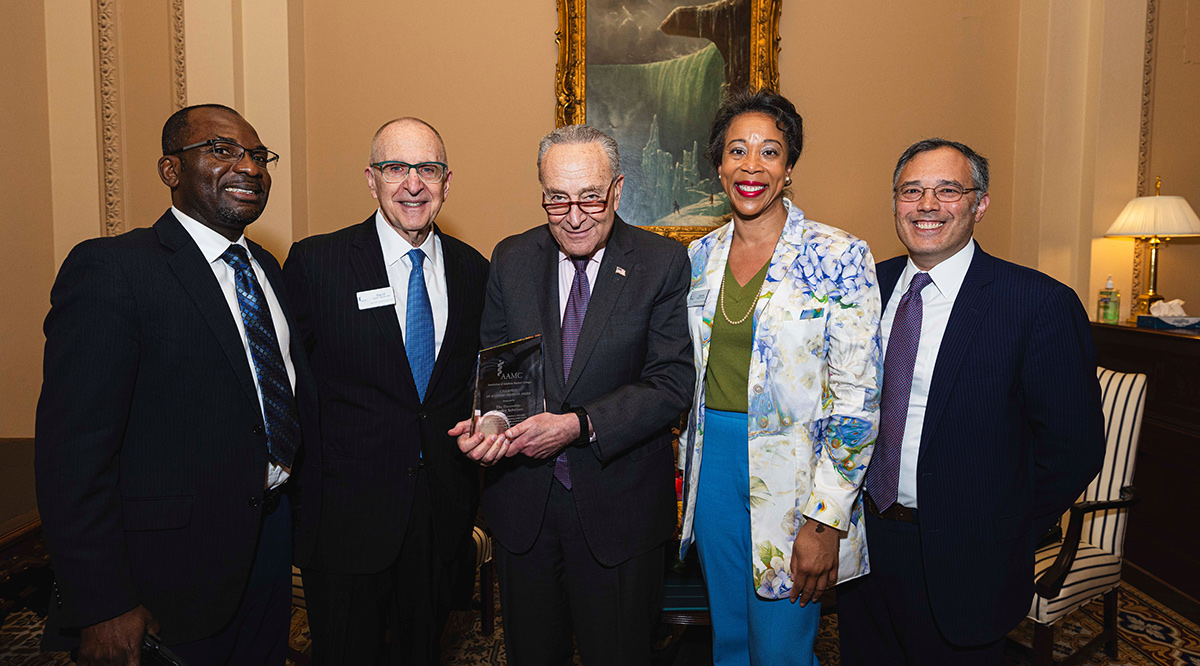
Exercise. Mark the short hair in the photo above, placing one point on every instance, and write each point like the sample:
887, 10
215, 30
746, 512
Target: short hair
175, 130
767, 101
406, 119
580, 134
979, 163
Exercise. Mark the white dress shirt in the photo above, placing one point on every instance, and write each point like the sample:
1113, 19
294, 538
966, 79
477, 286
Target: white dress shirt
566, 275
399, 266
212, 246
938, 301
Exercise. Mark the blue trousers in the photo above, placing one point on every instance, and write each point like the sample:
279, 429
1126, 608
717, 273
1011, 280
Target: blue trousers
747, 629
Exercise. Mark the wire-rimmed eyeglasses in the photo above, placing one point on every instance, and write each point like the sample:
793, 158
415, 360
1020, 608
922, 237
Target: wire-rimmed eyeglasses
943, 193
232, 152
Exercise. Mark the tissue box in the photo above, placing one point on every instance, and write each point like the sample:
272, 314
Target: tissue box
1169, 323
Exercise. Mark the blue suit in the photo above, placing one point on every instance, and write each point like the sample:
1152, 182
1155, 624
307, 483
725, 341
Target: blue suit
1012, 435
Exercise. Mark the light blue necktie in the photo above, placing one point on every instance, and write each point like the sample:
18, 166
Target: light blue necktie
279, 405
418, 338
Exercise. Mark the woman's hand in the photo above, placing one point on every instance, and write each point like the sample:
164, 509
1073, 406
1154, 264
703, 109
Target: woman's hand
814, 561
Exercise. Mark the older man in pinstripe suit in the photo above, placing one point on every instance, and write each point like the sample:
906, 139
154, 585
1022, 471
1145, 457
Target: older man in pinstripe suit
389, 312
990, 427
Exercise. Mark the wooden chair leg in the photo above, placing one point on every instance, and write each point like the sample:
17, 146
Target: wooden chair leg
1043, 644
1110, 622
487, 597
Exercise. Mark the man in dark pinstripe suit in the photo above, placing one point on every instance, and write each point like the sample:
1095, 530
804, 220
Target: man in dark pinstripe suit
387, 501
989, 429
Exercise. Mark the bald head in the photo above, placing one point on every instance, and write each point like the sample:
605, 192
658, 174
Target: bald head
402, 127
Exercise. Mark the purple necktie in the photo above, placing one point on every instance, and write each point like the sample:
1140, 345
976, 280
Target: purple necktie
883, 475
577, 304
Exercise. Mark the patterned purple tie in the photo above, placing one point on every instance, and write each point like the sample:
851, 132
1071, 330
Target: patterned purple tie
883, 475
577, 304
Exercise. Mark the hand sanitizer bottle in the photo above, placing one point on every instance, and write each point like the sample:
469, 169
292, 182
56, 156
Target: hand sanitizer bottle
1108, 307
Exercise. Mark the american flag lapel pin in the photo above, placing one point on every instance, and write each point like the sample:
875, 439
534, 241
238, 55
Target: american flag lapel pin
620, 271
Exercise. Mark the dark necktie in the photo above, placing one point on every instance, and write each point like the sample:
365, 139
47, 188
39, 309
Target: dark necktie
278, 403
418, 339
883, 475
577, 304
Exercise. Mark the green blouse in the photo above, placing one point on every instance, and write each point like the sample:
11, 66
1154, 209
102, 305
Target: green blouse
728, 373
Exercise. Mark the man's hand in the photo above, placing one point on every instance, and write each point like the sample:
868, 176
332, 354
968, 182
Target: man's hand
483, 449
814, 561
543, 435
116, 642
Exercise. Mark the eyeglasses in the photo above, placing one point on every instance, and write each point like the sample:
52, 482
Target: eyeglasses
944, 193
232, 152
589, 206
396, 172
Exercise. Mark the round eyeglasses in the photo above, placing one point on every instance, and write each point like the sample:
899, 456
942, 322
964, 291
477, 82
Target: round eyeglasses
396, 172
232, 152
944, 193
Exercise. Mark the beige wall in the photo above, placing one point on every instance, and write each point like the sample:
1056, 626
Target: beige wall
1175, 140
26, 234
1047, 89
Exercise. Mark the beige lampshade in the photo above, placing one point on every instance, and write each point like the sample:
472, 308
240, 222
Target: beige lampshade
1156, 216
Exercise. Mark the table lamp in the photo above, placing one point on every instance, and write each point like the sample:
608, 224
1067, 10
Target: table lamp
1157, 219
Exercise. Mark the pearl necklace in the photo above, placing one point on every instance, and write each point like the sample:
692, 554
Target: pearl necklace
752, 303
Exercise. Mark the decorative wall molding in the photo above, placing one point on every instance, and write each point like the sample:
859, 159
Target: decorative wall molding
1141, 247
112, 214
178, 57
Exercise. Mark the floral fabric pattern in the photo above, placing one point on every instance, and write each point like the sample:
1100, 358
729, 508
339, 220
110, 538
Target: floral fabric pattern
815, 375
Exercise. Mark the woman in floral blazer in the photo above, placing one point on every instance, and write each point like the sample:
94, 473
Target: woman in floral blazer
775, 507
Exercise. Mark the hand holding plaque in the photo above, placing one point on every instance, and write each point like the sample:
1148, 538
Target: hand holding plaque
508, 385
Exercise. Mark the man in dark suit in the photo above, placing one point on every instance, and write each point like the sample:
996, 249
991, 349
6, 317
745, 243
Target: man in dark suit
389, 313
581, 498
167, 423
990, 427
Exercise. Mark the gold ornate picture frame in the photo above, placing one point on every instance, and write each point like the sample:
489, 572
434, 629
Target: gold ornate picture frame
742, 41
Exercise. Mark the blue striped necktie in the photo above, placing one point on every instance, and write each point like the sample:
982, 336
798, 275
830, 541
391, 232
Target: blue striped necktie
278, 403
418, 322
883, 474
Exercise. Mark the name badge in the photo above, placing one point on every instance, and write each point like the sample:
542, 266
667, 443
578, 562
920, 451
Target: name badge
697, 297
376, 298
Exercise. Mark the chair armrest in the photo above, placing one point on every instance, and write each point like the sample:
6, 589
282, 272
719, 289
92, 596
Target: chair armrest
1050, 583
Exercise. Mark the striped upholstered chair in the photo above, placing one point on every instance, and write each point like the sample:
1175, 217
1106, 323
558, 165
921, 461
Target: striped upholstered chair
1087, 562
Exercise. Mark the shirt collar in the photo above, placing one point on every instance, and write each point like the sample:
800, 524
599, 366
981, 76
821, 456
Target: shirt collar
595, 258
395, 247
212, 244
947, 276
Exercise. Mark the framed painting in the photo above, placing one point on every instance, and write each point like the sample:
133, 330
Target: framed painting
651, 74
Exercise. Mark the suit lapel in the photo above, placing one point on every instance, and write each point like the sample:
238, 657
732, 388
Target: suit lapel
455, 266
366, 258
973, 302
609, 283
198, 280
551, 321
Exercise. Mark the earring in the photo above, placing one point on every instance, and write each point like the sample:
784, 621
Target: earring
788, 181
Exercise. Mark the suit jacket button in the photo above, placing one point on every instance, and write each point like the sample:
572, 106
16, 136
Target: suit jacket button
422, 415
757, 389
258, 429
254, 502
411, 470
762, 421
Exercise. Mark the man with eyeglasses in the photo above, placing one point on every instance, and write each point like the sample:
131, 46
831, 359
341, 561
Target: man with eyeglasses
581, 498
389, 312
170, 419
990, 426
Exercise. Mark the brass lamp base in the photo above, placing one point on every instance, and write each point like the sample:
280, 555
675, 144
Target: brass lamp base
1142, 306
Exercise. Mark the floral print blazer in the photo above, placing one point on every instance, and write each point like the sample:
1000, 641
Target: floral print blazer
815, 375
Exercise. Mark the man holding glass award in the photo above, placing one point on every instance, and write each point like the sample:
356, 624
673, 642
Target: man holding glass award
581, 497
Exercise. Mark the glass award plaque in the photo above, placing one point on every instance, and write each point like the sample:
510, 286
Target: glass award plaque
508, 385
